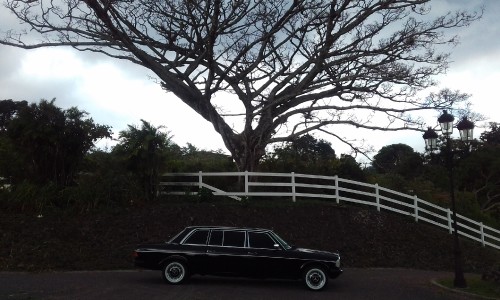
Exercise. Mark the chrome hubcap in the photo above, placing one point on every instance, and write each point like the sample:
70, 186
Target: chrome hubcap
315, 279
174, 272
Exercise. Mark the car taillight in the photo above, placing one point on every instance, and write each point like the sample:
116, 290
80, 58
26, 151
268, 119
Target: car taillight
135, 254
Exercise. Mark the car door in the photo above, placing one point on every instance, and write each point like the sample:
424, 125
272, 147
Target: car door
226, 252
194, 247
267, 258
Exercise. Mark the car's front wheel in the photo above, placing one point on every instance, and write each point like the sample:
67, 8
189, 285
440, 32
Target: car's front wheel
315, 278
175, 272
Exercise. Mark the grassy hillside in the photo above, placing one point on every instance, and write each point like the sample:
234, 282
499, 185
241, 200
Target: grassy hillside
105, 239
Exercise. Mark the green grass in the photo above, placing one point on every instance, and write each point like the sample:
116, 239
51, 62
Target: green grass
476, 286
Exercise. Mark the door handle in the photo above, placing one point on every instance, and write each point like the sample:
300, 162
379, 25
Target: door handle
252, 253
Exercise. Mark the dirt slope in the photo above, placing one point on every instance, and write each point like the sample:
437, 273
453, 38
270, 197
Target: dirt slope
105, 240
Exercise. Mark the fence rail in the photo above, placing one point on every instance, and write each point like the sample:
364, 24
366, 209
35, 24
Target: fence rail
296, 185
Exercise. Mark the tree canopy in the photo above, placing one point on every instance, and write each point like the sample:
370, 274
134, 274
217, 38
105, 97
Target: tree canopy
305, 154
290, 67
307, 148
309, 155
8, 111
397, 158
48, 142
491, 137
479, 170
144, 150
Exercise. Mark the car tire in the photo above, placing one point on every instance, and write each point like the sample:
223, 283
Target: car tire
315, 278
175, 272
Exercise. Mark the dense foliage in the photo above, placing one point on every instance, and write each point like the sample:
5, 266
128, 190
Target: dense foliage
48, 160
309, 155
45, 143
398, 158
479, 172
143, 151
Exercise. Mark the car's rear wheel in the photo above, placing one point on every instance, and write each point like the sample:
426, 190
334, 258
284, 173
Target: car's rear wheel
175, 272
315, 278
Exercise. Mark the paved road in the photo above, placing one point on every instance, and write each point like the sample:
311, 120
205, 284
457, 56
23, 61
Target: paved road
353, 284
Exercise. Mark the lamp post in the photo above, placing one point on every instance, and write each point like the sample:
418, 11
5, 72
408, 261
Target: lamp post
430, 136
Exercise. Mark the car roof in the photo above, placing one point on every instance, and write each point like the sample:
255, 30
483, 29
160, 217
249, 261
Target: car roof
187, 230
228, 228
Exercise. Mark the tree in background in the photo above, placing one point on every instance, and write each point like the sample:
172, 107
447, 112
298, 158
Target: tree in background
479, 172
309, 155
309, 148
144, 150
399, 159
11, 166
192, 159
491, 137
291, 67
8, 111
48, 143
306, 154
349, 168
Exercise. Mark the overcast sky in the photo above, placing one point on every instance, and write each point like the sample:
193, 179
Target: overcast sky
118, 93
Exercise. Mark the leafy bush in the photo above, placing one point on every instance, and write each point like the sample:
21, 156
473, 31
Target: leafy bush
205, 195
28, 197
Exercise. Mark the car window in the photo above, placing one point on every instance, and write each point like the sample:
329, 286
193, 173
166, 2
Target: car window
216, 238
234, 238
199, 237
260, 240
281, 241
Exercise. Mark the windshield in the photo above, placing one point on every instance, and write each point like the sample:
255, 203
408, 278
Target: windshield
173, 240
281, 241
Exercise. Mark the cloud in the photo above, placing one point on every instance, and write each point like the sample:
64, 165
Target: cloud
113, 93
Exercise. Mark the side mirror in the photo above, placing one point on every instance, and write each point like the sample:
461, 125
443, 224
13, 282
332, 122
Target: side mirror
276, 246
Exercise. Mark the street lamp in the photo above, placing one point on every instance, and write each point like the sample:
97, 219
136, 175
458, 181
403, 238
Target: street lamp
430, 136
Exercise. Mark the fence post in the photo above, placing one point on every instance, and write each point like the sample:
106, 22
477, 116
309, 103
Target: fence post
377, 196
482, 233
415, 203
246, 183
200, 180
337, 197
293, 187
450, 227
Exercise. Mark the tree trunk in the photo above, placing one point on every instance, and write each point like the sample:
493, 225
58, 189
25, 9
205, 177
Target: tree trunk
248, 160
246, 150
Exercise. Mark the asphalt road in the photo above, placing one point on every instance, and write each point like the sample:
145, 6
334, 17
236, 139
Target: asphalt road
353, 284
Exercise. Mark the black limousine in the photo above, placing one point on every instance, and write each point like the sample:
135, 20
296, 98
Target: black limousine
230, 251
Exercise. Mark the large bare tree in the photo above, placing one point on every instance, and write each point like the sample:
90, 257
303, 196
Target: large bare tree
289, 67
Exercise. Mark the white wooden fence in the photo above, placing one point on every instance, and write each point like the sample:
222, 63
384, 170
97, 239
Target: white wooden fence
327, 187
